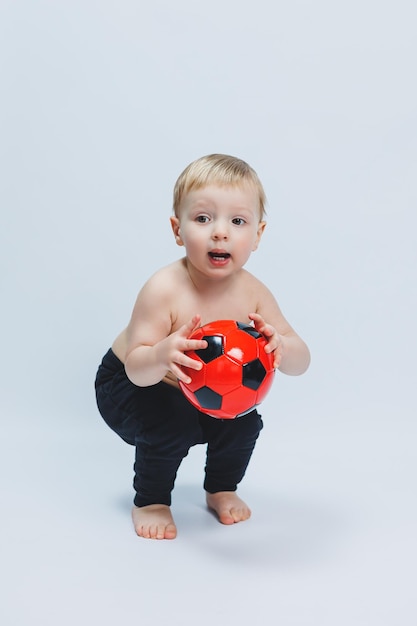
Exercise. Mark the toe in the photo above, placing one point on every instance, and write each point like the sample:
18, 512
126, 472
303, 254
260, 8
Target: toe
170, 532
226, 517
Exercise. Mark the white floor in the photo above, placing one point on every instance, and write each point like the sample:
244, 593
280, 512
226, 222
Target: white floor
332, 538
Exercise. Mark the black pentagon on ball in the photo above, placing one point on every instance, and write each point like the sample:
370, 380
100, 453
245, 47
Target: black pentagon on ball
208, 399
249, 329
214, 348
253, 374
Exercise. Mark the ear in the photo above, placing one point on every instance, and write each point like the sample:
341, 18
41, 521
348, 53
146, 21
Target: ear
175, 225
261, 228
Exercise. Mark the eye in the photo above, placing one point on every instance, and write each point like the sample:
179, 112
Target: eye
202, 219
238, 221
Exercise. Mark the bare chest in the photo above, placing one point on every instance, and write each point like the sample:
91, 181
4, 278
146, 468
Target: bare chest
232, 305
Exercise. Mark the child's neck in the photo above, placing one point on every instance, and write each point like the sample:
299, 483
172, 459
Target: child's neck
206, 285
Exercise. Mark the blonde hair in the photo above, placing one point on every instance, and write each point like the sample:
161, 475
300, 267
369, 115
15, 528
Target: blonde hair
217, 169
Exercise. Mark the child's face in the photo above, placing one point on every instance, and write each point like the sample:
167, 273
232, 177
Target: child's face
219, 227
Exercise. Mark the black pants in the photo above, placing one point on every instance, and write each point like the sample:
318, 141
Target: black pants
162, 425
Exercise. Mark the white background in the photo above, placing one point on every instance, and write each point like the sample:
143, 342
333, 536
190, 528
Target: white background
102, 106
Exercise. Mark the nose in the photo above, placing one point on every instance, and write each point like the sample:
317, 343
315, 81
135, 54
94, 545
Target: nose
220, 230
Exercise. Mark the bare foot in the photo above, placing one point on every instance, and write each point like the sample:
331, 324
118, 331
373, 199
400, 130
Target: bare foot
228, 506
154, 522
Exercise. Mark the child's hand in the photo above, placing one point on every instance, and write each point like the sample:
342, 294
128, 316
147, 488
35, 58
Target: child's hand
176, 344
275, 342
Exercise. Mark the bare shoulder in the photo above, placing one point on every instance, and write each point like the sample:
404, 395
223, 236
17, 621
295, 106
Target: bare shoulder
256, 287
163, 283
152, 314
267, 305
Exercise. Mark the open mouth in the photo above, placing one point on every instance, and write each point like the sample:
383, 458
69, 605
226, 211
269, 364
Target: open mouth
219, 256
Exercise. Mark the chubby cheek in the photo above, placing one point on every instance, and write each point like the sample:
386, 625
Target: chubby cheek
194, 246
244, 256
248, 245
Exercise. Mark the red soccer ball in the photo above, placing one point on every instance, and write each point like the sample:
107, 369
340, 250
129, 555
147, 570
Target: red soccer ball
237, 373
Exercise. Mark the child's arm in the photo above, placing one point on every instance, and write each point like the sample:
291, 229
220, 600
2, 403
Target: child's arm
147, 364
152, 348
292, 355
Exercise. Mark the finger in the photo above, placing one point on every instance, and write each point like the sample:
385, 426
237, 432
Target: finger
195, 344
180, 375
272, 339
192, 364
259, 321
195, 322
183, 360
190, 326
269, 332
255, 317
